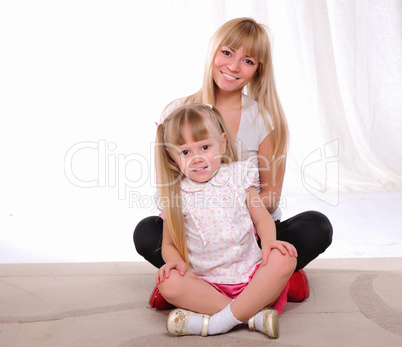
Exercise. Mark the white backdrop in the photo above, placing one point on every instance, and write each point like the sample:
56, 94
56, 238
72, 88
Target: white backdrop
82, 82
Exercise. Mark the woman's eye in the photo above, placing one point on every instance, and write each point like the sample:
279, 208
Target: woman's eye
227, 53
249, 62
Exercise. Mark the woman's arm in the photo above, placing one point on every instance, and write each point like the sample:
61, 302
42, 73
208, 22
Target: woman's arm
271, 175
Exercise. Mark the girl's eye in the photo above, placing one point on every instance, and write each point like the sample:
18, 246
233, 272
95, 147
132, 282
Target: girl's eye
205, 147
185, 152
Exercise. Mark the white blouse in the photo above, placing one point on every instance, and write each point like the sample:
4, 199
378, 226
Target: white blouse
220, 237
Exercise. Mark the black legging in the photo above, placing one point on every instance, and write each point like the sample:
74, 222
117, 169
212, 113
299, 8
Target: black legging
310, 232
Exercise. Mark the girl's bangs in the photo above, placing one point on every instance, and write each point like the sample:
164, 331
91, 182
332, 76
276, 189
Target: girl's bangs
197, 124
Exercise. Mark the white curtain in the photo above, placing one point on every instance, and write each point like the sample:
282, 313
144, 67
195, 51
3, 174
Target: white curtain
341, 85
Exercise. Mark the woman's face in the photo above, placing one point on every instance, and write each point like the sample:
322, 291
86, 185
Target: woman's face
233, 69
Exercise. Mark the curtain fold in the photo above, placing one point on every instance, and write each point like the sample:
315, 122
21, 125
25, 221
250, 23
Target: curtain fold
349, 59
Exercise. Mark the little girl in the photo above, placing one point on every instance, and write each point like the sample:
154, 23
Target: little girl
215, 271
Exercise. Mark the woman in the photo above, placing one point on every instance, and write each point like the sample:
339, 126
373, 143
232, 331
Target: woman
239, 81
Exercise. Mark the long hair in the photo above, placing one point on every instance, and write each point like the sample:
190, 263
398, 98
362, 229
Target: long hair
262, 88
205, 121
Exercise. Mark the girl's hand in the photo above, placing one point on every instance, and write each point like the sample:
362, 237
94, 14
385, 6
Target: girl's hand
164, 271
283, 247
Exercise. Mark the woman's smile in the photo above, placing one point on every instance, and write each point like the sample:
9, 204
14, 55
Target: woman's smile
229, 77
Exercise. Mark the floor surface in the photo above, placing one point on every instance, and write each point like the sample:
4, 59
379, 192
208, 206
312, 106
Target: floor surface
353, 302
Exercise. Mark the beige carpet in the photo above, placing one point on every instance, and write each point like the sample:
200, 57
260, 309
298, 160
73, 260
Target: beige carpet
353, 302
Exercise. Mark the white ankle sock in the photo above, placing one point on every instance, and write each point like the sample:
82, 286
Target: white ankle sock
194, 325
222, 322
258, 321
219, 323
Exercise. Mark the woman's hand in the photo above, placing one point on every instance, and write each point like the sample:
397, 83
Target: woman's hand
283, 247
164, 271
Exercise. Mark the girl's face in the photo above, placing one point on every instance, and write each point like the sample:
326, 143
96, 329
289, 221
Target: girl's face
233, 69
199, 160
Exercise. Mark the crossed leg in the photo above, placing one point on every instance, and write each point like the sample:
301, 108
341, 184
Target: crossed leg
192, 293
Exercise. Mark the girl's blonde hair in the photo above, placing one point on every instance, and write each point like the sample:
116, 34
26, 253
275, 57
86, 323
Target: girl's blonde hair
205, 121
262, 88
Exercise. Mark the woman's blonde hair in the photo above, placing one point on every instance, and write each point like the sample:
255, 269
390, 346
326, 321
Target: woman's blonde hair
205, 121
262, 88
